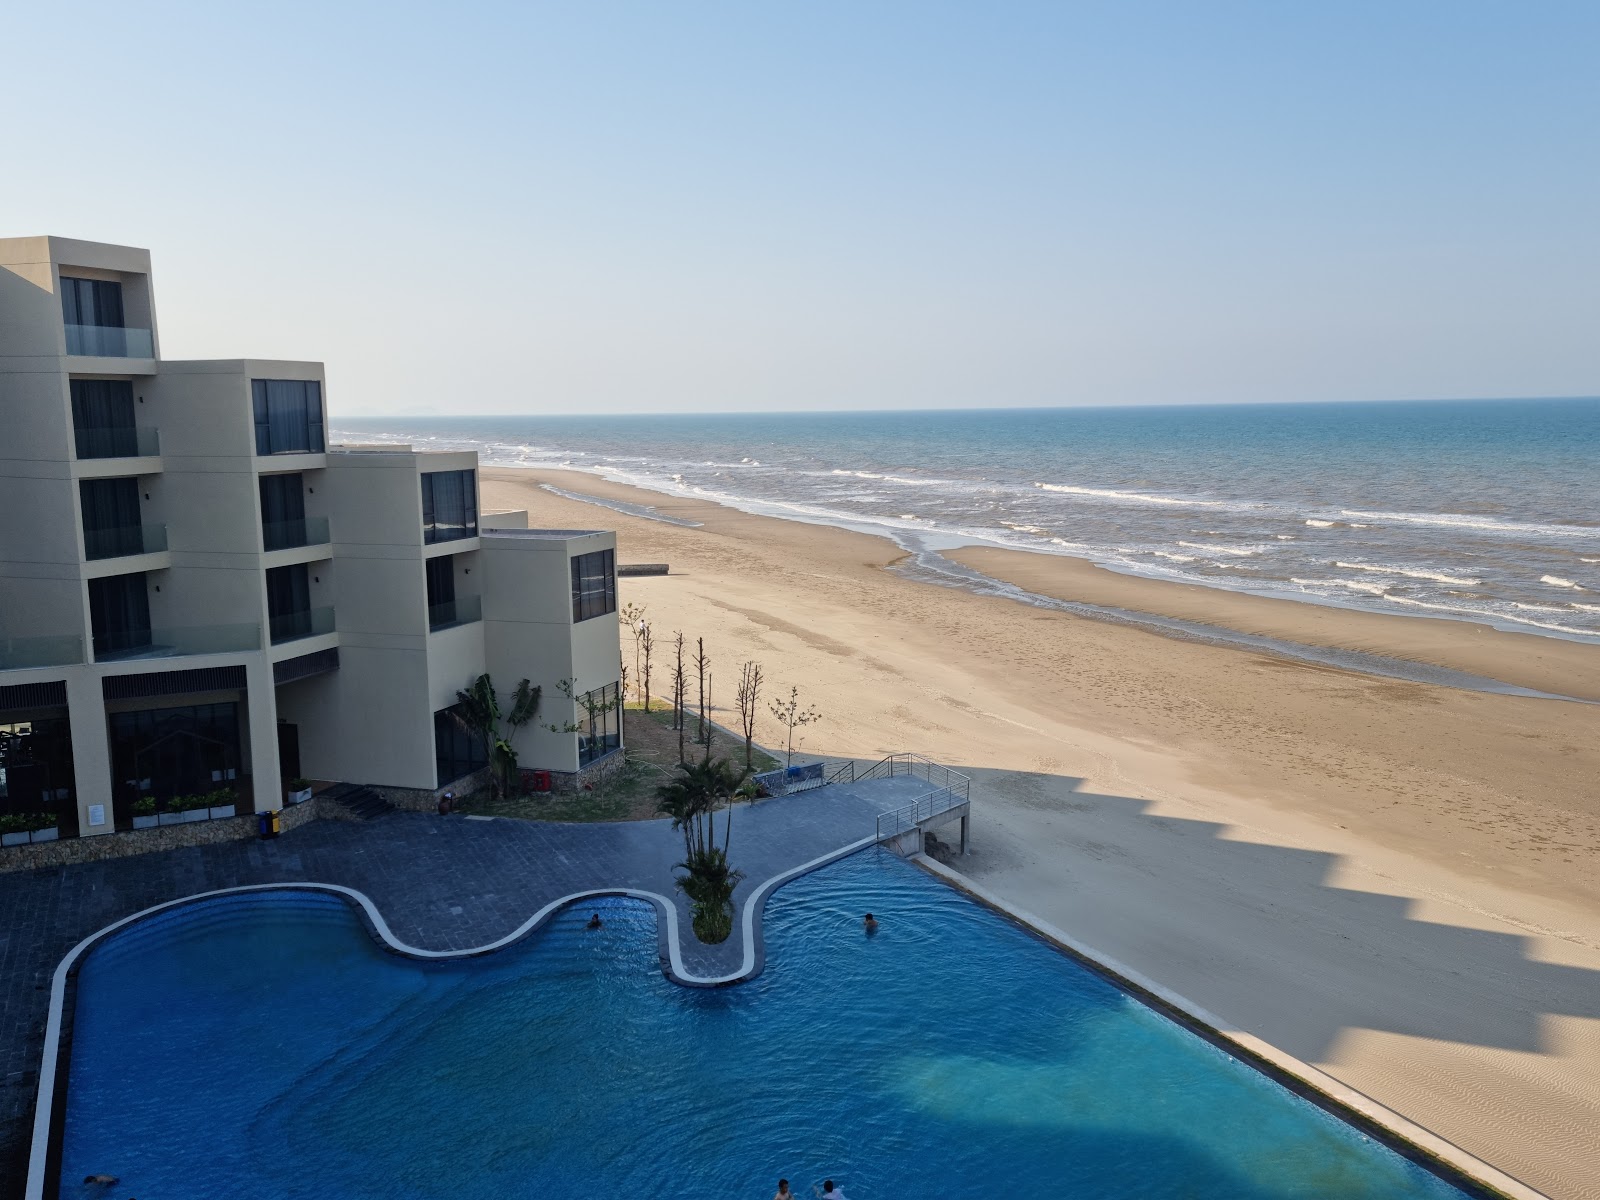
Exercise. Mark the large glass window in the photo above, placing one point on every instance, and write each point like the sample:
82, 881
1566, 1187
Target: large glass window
449, 505
283, 511
166, 752
102, 418
288, 415
111, 524
289, 602
455, 751
36, 766
119, 611
599, 724
91, 302
594, 584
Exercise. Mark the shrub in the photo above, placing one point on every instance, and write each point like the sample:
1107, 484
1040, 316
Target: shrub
298, 785
144, 806
27, 822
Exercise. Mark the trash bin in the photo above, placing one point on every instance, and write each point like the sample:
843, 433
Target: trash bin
267, 824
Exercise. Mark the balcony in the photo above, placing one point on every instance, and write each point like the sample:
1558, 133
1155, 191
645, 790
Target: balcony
124, 442
18, 654
291, 627
123, 540
176, 640
288, 535
461, 611
110, 341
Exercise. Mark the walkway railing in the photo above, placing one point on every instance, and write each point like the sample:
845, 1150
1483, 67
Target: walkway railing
905, 763
923, 808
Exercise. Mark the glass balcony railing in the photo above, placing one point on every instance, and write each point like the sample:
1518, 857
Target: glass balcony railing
124, 442
176, 640
286, 535
17, 654
289, 627
463, 610
123, 540
108, 341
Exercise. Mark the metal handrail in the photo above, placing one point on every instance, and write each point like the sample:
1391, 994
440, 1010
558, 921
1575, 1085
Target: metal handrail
923, 808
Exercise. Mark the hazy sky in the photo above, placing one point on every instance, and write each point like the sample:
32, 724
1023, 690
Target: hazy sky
681, 206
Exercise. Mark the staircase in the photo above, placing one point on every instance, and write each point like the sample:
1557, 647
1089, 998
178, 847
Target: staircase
360, 802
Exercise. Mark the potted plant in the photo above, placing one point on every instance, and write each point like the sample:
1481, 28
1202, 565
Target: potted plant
144, 813
196, 808
299, 791
171, 811
221, 803
18, 829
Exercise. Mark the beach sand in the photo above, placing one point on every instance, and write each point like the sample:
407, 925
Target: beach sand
1394, 881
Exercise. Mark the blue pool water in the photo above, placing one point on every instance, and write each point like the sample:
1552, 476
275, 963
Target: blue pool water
262, 1046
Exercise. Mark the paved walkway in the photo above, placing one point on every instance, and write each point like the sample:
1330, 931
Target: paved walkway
441, 883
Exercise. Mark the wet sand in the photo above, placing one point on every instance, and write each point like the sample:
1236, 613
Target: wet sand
1394, 881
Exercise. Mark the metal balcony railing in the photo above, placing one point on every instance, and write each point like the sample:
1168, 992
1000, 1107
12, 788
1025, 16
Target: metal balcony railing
122, 540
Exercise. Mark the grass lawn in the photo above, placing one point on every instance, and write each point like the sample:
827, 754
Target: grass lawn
628, 795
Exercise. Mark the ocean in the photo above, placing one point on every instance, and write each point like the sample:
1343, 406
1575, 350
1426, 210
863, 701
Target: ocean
1474, 510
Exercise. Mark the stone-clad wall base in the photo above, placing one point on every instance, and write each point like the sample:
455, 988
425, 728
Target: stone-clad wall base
425, 800
123, 845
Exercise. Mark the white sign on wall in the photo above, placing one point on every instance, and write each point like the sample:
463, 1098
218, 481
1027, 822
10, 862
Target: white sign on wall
97, 814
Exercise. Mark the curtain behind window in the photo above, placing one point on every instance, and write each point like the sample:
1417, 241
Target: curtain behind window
283, 511
111, 523
288, 416
102, 418
91, 302
119, 611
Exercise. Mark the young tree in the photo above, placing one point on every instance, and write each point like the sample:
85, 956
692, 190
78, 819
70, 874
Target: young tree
691, 798
701, 662
632, 617
791, 716
647, 644
478, 713
679, 682
750, 681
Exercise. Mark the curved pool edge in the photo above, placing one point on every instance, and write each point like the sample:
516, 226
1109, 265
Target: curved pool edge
1342, 1100
754, 961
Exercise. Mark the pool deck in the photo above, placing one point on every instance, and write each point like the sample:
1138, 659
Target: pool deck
440, 883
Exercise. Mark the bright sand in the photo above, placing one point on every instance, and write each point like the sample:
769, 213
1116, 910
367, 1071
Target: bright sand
1394, 881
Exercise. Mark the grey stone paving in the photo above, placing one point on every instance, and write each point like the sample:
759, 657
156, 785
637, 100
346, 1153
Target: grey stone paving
441, 883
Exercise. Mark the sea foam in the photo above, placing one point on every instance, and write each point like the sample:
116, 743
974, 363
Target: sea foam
1409, 572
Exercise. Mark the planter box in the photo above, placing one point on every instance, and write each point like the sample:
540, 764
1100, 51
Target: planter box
46, 835
14, 839
299, 797
148, 822
169, 818
195, 814
221, 810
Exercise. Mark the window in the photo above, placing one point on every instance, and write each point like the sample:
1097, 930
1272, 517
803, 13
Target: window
283, 512
455, 751
91, 302
599, 723
111, 525
289, 602
594, 584
102, 418
449, 506
288, 415
166, 752
119, 611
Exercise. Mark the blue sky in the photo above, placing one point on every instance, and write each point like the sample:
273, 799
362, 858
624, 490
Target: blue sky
674, 207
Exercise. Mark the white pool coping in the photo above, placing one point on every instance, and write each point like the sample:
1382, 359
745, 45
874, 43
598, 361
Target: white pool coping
754, 959
1249, 1047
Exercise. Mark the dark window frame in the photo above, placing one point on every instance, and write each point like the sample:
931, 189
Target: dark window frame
594, 585
449, 506
599, 732
456, 753
286, 423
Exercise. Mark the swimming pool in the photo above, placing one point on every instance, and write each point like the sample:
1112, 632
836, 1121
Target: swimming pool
262, 1045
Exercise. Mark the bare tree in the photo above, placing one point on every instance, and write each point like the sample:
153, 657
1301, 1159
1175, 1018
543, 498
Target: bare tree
646, 645
679, 683
701, 662
791, 716
750, 681
632, 616
622, 696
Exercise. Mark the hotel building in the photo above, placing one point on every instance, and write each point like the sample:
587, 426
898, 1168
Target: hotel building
199, 595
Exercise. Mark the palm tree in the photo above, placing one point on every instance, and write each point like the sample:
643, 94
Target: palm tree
691, 798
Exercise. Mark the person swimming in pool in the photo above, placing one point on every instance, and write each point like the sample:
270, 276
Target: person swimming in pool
870, 923
783, 1192
594, 922
829, 1191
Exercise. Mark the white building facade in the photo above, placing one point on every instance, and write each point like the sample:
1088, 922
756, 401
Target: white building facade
199, 596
